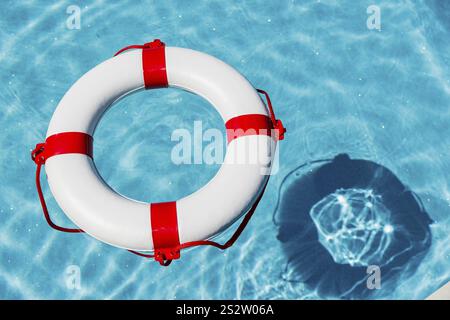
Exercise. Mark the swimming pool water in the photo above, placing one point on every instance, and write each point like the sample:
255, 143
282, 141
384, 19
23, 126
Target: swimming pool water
339, 87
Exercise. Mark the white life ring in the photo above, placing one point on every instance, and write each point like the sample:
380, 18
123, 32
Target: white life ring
112, 218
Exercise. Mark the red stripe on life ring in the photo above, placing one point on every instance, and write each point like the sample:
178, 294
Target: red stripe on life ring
154, 65
248, 124
63, 143
164, 222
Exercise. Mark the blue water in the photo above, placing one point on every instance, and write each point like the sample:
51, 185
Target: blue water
382, 96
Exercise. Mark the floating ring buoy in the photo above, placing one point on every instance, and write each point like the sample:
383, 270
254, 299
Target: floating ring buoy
162, 228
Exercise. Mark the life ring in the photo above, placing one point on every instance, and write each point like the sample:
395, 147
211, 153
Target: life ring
161, 228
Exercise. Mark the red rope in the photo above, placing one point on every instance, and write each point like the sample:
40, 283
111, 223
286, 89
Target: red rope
269, 105
236, 233
277, 124
134, 46
44, 205
154, 44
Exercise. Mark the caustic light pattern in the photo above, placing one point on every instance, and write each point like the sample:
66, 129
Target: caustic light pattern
353, 225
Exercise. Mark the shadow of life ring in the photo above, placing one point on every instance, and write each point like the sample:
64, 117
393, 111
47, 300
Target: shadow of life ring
338, 217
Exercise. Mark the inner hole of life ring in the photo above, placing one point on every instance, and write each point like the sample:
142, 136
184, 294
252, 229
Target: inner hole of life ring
159, 145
